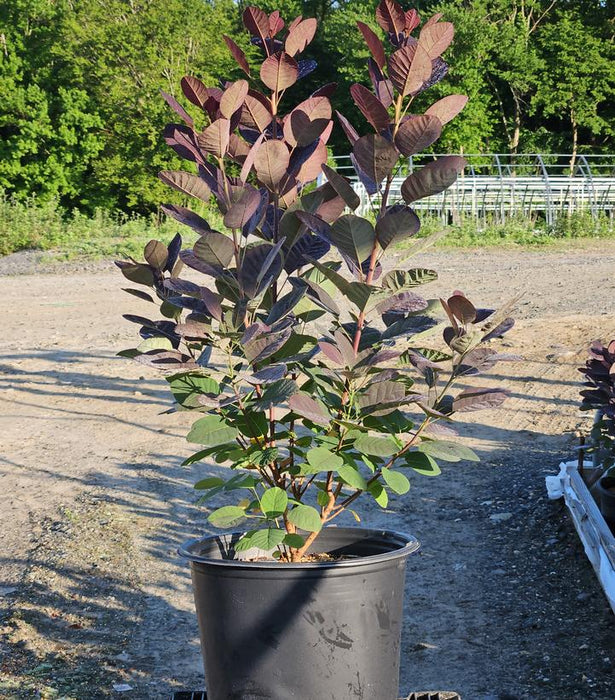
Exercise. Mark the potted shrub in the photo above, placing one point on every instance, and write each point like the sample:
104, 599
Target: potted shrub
315, 373
599, 397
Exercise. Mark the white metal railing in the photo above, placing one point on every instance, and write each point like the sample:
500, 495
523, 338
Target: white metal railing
501, 186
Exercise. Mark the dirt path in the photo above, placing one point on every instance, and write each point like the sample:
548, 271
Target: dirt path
92, 595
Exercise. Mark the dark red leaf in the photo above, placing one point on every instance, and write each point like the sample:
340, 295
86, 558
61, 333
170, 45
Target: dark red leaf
257, 23
398, 223
255, 114
215, 249
279, 71
433, 178
371, 107
307, 407
417, 133
342, 186
351, 133
276, 23
271, 161
312, 167
391, 17
402, 302
185, 216
187, 183
300, 36
448, 107
477, 399
307, 121
462, 308
409, 68
194, 90
376, 156
177, 108
242, 210
435, 38
412, 21
215, 138
382, 86
233, 98
238, 54
373, 44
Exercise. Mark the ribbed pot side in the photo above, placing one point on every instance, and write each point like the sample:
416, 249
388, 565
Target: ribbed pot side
313, 631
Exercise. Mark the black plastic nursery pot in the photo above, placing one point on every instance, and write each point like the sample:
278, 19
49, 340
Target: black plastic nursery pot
606, 494
312, 631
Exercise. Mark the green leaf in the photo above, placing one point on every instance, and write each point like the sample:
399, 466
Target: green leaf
398, 280
211, 430
156, 343
396, 481
322, 459
379, 493
261, 539
305, 518
394, 422
275, 394
293, 540
376, 446
422, 463
447, 451
354, 236
274, 502
323, 498
352, 477
186, 387
227, 516
252, 425
209, 483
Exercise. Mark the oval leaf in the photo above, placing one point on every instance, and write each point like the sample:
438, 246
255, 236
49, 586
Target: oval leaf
436, 38
371, 107
238, 54
418, 133
409, 68
447, 108
215, 138
215, 249
300, 36
279, 71
305, 518
396, 481
373, 44
233, 98
271, 162
375, 446
398, 223
375, 156
227, 516
433, 178
274, 502
187, 183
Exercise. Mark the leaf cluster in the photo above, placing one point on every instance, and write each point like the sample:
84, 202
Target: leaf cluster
316, 383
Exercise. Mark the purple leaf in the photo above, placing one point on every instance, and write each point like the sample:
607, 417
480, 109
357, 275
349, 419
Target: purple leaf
187, 183
432, 178
238, 54
233, 98
307, 407
300, 36
435, 38
409, 68
447, 108
371, 107
477, 399
215, 138
271, 161
185, 216
417, 133
373, 44
279, 71
375, 156
398, 223
194, 90
177, 108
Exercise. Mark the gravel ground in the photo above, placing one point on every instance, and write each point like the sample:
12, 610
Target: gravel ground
500, 604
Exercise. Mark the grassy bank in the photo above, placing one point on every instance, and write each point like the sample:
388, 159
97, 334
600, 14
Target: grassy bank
44, 226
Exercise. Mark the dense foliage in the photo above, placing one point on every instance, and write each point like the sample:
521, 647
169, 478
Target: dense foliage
80, 119
314, 385
599, 371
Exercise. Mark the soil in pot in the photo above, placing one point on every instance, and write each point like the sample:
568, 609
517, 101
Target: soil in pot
606, 494
323, 630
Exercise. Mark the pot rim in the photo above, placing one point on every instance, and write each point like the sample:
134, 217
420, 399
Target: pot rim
408, 544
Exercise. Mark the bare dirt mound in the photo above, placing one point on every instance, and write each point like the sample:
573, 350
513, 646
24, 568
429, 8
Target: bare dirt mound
501, 602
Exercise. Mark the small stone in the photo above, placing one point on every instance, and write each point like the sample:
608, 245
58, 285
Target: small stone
486, 503
583, 596
7, 590
498, 572
500, 517
584, 646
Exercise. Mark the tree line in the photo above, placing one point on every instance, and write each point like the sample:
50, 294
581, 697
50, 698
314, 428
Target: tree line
81, 115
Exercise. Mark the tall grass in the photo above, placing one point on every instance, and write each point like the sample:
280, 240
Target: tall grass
45, 226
